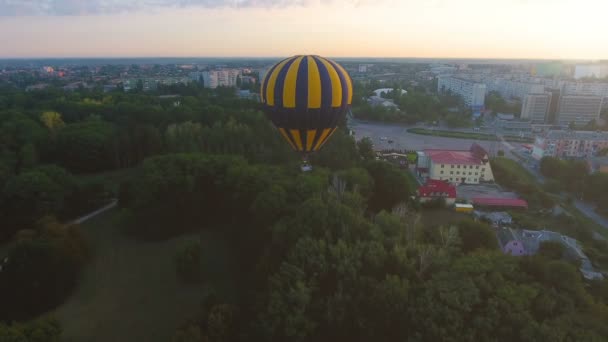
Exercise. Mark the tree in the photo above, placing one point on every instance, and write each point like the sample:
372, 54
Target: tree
40, 330
390, 185
188, 261
52, 121
476, 235
552, 250
366, 149
41, 270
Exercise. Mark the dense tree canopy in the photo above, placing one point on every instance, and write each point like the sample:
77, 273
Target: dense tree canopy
334, 254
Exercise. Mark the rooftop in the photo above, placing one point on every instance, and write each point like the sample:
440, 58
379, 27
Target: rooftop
500, 202
474, 156
437, 188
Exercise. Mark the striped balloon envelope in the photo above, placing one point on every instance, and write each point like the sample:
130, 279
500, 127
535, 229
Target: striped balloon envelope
305, 97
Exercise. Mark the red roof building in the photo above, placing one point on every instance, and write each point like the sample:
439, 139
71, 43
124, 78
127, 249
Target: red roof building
500, 202
434, 189
470, 166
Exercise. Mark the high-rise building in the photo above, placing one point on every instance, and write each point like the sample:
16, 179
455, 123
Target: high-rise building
587, 88
472, 93
220, 78
580, 109
535, 107
514, 89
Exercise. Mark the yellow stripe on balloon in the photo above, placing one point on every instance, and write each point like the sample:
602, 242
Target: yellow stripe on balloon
310, 137
349, 83
314, 84
272, 82
289, 88
322, 138
336, 86
295, 133
327, 138
284, 134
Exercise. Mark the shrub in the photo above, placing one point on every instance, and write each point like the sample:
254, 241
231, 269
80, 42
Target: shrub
188, 261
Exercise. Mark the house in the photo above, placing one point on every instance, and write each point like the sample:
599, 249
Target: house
470, 166
436, 189
527, 242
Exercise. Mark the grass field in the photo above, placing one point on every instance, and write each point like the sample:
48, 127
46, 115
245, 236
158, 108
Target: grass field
129, 290
464, 135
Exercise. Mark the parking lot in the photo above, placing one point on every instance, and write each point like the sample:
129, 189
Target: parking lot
381, 134
470, 191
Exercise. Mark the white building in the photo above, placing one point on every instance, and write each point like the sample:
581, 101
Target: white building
473, 93
456, 166
221, 78
535, 107
580, 109
591, 70
586, 88
514, 89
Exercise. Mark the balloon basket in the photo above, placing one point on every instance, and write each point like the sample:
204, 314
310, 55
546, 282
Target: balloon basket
305, 167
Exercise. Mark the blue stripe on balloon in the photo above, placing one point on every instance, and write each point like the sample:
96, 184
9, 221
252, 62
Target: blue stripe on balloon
280, 83
302, 86
266, 77
342, 82
326, 97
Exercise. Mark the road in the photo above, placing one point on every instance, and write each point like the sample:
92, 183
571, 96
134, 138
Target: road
94, 213
589, 211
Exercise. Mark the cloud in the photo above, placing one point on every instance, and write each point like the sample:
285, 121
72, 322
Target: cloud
95, 7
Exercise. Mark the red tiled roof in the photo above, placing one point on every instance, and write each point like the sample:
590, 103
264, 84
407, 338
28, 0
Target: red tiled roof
473, 156
437, 188
500, 202
453, 157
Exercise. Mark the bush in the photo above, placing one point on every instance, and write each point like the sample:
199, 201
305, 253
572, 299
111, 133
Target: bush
41, 330
188, 262
41, 271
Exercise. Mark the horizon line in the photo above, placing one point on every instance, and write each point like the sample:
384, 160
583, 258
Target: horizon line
598, 60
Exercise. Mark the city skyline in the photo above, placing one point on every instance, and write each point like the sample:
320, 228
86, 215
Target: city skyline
512, 29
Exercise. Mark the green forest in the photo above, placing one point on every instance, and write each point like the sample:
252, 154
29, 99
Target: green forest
336, 254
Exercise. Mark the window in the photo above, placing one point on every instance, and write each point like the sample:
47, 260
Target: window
477, 167
483, 169
458, 172
441, 172
442, 166
476, 173
470, 173
474, 179
459, 166
451, 172
452, 166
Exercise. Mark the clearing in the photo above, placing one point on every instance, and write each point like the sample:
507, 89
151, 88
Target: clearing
129, 290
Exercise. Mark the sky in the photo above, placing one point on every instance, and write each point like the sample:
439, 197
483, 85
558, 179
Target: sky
546, 29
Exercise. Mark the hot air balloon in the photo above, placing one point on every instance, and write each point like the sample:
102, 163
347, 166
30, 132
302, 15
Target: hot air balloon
305, 97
